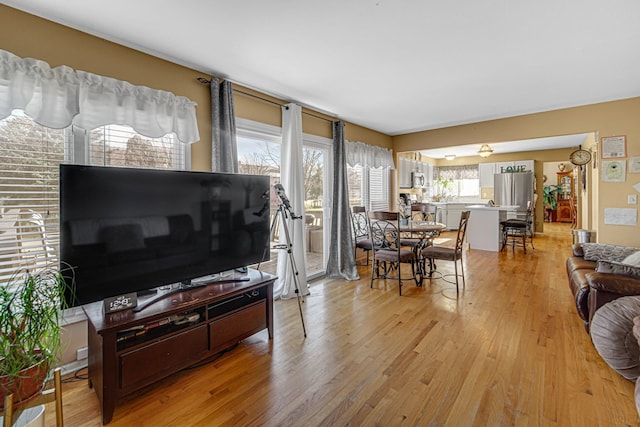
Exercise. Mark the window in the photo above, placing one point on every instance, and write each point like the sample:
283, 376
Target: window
29, 159
115, 145
368, 187
457, 181
30, 155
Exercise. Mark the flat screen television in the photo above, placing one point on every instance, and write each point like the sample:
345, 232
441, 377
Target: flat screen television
125, 230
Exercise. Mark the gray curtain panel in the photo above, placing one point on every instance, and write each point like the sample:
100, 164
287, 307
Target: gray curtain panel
224, 149
341, 261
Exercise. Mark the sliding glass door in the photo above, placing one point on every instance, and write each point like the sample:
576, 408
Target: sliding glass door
318, 163
259, 153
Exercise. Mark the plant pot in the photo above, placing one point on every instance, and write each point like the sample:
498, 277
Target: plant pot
26, 386
31, 417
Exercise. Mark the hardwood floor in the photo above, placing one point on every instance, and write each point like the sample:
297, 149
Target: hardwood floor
509, 351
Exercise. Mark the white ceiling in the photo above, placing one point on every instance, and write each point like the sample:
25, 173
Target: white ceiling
550, 143
393, 66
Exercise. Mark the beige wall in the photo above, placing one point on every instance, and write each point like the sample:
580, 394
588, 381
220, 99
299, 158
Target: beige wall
604, 119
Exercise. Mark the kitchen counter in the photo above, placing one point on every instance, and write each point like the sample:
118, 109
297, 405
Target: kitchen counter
506, 208
483, 230
449, 212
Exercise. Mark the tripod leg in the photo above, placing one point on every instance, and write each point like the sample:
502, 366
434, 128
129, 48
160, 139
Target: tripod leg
272, 231
294, 271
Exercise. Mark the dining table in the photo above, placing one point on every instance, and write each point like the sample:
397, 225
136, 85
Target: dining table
425, 231
421, 228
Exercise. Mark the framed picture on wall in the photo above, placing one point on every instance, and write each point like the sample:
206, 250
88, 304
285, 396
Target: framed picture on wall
613, 170
614, 147
634, 164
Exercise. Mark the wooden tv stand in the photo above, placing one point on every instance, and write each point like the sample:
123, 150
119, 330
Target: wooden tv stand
129, 350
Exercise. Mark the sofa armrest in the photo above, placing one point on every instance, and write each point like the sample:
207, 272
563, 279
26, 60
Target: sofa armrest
614, 283
577, 250
607, 287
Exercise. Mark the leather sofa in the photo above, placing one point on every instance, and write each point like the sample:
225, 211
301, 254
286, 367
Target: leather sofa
595, 283
606, 287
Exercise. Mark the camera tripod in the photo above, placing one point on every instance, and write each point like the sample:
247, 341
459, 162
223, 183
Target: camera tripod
283, 212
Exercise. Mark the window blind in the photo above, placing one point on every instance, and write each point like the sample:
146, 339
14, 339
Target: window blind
379, 189
30, 155
369, 187
115, 145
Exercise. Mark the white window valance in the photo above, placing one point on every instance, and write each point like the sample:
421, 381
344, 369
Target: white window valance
359, 153
60, 96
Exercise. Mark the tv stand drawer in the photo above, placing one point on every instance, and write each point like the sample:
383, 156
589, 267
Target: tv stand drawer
150, 363
237, 326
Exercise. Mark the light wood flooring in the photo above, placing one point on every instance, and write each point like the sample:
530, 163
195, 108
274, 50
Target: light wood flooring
509, 351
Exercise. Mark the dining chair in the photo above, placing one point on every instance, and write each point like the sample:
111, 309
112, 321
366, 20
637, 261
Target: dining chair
446, 253
430, 213
417, 214
388, 254
360, 224
518, 231
417, 211
424, 212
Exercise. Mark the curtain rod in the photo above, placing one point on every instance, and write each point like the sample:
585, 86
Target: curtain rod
206, 81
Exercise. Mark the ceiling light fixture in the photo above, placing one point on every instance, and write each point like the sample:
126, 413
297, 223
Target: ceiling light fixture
449, 156
485, 150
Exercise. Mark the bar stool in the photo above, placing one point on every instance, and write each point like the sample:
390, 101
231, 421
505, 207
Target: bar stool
518, 231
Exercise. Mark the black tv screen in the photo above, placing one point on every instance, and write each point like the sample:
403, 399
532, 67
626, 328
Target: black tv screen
125, 230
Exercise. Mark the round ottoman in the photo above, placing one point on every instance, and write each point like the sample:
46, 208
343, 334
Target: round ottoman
612, 334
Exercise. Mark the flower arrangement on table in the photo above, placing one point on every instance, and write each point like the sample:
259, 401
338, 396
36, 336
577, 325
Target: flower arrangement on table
404, 208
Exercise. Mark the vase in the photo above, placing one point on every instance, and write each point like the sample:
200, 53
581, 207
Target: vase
30, 417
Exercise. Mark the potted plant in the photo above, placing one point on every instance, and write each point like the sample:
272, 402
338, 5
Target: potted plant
444, 188
550, 199
30, 331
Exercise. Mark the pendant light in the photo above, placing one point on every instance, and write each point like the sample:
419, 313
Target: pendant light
485, 150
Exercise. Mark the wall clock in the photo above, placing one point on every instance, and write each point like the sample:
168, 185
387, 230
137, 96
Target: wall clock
580, 157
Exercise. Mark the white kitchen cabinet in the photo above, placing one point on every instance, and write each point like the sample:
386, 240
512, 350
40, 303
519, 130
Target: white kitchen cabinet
454, 211
515, 166
404, 173
503, 167
486, 172
407, 166
528, 164
449, 214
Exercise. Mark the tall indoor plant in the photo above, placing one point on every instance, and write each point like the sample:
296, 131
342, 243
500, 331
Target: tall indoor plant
550, 199
30, 330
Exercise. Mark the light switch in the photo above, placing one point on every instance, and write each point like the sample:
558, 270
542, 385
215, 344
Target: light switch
632, 199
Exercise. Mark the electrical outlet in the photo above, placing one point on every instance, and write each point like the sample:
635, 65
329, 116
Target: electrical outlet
632, 199
82, 353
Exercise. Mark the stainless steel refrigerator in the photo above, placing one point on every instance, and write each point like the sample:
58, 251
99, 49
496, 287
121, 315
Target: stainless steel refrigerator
513, 189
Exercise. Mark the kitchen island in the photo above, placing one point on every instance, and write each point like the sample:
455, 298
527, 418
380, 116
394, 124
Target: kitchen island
449, 212
483, 230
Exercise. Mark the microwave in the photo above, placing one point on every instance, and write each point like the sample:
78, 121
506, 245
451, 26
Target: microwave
418, 180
